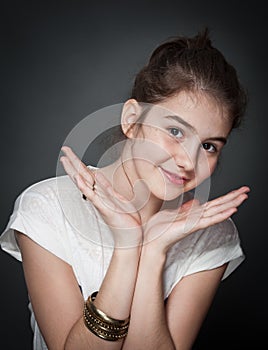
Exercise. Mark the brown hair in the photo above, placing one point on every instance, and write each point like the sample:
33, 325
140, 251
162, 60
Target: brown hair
192, 65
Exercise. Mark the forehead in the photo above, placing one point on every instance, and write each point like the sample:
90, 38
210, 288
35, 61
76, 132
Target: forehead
200, 111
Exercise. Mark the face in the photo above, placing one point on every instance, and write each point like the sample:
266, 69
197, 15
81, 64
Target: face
179, 143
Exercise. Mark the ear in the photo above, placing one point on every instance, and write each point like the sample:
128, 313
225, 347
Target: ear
130, 114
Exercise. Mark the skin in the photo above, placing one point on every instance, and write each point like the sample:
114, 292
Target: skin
129, 203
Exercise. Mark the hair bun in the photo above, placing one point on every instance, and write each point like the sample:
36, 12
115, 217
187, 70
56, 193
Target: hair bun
191, 64
177, 45
200, 41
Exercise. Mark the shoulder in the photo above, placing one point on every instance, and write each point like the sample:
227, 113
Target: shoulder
221, 234
215, 237
44, 190
53, 214
56, 201
204, 250
37, 214
42, 199
217, 245
227, 227
54, 191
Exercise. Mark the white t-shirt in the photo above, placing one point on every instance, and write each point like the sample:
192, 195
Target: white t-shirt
54, 215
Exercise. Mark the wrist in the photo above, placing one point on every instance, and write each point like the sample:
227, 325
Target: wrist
127, 238
153, 255
155, 246
127, 254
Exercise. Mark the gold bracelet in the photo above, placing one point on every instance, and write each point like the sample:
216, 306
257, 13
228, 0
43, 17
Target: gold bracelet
101, 333
102, 325
102, 316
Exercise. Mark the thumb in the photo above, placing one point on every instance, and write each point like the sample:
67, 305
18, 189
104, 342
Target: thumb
187, 206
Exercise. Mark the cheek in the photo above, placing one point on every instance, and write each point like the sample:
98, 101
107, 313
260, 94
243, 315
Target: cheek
206, 167
213, 166
154, 150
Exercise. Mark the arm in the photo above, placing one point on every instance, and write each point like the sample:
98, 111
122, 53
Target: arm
148, 316
154, 326
189, 303
58, 303
114, 298
53, 289
176, 327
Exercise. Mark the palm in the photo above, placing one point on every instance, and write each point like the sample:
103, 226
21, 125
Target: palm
118, 213
170, 226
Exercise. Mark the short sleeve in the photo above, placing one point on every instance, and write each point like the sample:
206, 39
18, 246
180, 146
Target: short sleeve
217, 245
38, 215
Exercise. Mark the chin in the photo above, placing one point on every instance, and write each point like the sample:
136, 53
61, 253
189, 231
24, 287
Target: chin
169, 195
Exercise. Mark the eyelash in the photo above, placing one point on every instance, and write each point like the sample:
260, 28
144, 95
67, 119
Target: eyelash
177, 129
211, 145
182, 134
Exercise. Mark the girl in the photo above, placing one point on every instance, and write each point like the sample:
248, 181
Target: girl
150, 283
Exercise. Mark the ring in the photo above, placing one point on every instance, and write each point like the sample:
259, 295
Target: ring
93, 189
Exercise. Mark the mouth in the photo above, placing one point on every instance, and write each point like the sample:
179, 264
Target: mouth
174, 178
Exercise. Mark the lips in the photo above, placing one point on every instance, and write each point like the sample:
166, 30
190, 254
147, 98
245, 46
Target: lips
174, 178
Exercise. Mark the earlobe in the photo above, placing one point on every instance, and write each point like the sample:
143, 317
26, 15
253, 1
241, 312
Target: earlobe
130, 114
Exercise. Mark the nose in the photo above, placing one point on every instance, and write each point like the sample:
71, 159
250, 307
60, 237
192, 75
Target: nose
186, 154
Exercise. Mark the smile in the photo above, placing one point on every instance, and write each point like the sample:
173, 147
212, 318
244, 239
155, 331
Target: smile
174, 178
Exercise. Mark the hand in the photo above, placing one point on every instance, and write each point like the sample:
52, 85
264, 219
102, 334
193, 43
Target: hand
118, 213
167, 227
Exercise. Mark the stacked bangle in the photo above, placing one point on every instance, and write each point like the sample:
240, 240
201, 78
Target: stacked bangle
102, 325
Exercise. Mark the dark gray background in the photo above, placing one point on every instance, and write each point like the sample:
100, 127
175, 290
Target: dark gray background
60, 61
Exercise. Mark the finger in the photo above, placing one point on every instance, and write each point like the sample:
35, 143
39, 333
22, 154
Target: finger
100, 197
78, 165
105, 184
71, 171
76, 162
101, 188
119, 203
185, 207
233, 203
88, 191
205, 222
229, 196
92, 194
68, 167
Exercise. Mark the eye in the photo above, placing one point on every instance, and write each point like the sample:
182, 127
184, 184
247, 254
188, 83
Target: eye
176, 132
209, 147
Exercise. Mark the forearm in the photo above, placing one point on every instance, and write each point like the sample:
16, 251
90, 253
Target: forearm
148, 327
114, 298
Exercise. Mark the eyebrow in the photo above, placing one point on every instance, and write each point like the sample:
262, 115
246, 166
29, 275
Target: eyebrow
183, 122
220, 139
